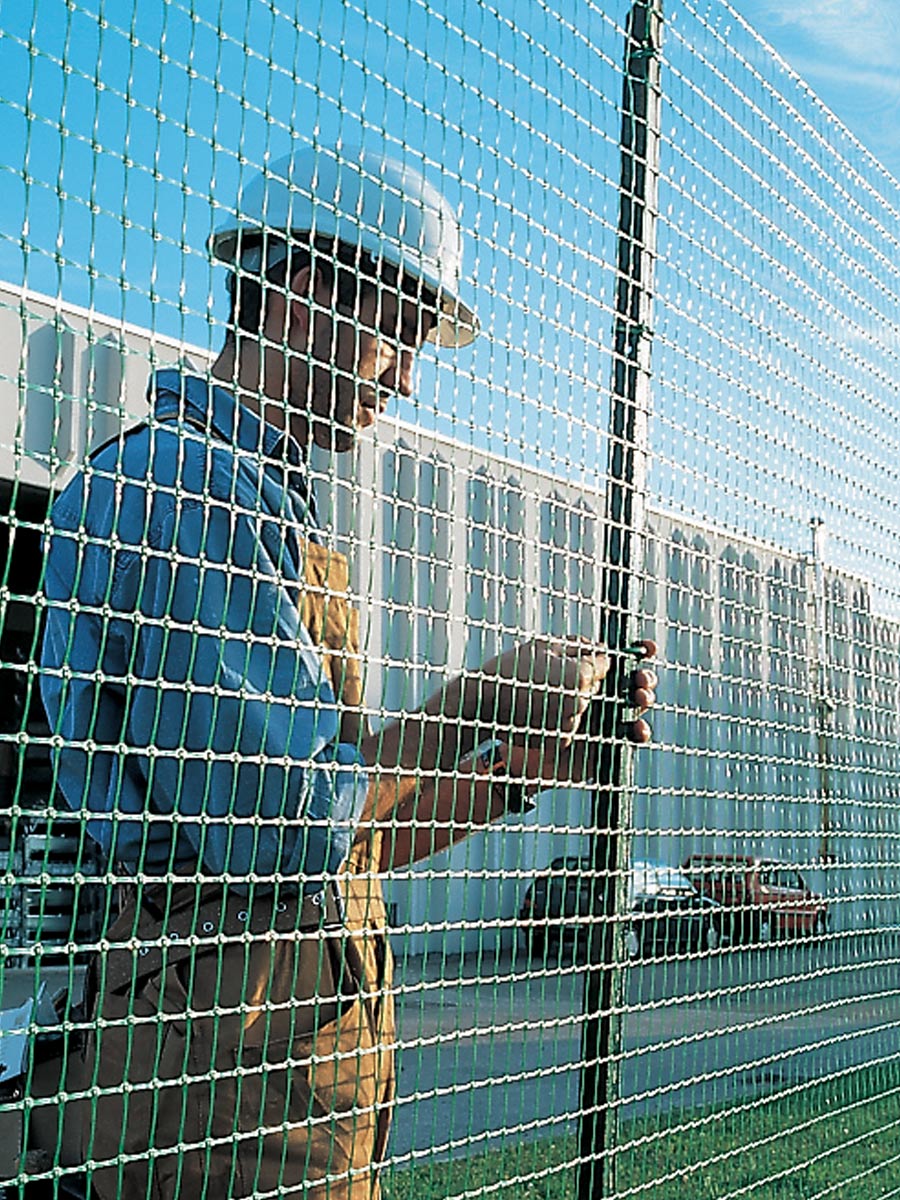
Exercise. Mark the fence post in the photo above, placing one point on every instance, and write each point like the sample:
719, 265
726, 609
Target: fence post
624, 521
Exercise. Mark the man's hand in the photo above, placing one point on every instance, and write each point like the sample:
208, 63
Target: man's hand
542, 689
641, 695
532, 701
544, 755
533, 697
538, 688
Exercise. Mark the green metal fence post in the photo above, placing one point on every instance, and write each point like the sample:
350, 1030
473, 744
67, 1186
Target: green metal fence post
629, 409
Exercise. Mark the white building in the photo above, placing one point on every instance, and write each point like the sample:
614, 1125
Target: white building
461, 554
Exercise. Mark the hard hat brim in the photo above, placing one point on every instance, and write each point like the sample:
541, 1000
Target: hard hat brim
457, 324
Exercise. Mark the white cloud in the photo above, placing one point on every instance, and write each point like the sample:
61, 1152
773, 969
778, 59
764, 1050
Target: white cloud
846, 50
865, 32
885, 80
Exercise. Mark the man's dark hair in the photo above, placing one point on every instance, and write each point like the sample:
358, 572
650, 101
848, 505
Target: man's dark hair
348, 272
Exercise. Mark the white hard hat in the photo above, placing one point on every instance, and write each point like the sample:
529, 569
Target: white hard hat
364, 199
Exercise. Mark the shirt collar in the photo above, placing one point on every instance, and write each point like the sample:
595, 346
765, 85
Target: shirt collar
214, 408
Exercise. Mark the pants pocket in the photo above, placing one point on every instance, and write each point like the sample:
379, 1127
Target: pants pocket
311, 1101
136, 1060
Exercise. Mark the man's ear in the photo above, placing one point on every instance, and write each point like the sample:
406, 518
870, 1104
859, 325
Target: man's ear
299, 297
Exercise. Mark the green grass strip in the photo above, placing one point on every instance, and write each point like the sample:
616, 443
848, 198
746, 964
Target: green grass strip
836, 1139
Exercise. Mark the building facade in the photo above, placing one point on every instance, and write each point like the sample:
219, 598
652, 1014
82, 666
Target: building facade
777, 732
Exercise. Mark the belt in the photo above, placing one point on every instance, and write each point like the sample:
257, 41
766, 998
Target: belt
162, 923
161, 898
190, 909
309, 910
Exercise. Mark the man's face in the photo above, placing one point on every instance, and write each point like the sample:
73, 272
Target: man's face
366, 358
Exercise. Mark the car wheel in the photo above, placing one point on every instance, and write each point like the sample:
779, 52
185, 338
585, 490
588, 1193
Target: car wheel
712, 939
533, 942
821, 926
765, 931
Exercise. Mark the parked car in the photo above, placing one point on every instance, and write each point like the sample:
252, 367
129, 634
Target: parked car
667, 914
762, 898
555, 916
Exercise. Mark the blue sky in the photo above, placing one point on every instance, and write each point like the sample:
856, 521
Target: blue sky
131, 121
126, 131
846, 50
115, 144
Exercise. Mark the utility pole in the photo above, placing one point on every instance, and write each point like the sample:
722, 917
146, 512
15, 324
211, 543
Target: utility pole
623, 531
824, 703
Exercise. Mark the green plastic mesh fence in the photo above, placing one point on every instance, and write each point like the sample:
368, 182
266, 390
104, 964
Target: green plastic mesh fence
391, 392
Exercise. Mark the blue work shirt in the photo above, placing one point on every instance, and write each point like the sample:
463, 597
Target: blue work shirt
193, 721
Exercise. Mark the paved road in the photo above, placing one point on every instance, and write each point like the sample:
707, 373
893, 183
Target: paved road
494, 1047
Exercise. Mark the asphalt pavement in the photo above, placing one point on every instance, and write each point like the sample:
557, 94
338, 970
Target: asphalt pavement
491, 1047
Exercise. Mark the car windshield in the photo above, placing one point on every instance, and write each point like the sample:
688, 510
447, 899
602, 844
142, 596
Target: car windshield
648, 878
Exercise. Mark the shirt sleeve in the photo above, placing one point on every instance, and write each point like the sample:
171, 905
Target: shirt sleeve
75, 664
229, 702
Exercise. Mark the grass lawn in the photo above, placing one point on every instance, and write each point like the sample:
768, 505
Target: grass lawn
837, 1139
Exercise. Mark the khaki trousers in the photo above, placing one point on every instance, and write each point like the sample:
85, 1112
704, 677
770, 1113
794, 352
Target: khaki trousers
253, 1063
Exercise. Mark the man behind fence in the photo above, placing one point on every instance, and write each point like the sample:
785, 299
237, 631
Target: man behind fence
202, 676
